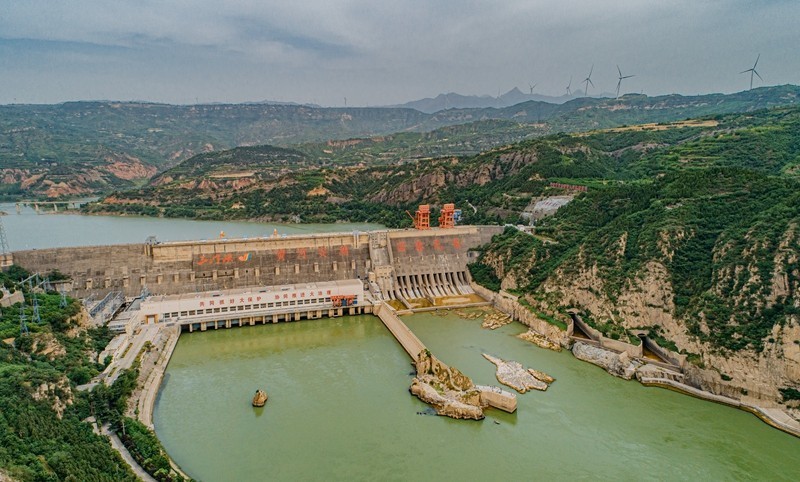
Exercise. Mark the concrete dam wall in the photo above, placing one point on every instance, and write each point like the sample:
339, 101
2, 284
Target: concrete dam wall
390, 259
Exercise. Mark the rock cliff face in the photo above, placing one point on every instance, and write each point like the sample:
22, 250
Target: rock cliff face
449, 391
748, 276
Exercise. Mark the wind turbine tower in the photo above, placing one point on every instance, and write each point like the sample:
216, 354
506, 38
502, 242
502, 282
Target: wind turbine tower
569, 86
587, 81
753, 71
621, 77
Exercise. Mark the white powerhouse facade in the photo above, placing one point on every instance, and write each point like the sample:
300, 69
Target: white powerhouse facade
249, 303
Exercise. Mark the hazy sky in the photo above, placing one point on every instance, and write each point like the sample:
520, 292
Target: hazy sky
381, 52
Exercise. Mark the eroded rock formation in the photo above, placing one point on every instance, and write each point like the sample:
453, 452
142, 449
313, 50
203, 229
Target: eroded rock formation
514, 375
495, 320
449, 391
539, 340
617, 364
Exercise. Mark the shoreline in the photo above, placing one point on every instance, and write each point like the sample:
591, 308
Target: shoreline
759, 412
779, 420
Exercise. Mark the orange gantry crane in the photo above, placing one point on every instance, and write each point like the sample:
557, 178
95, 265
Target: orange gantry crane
446, 218
422, 218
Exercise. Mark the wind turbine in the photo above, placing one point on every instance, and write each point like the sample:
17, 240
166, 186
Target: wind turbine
619, 82
587, 81
752, 71
532, 86
569, 86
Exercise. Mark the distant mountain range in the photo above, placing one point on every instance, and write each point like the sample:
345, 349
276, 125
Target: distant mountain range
430, 105
85, 148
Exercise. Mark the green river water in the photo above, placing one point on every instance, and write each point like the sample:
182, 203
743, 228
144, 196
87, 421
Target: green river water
339, 409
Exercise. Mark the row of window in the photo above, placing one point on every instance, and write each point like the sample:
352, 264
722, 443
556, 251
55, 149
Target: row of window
227, 309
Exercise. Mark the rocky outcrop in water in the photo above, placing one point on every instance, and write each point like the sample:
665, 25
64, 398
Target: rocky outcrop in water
495, 320
450, 392
618, 364
539, 340
260, 398
514, 375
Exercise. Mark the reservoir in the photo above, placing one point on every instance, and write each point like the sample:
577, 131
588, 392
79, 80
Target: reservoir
29, 230
339, 408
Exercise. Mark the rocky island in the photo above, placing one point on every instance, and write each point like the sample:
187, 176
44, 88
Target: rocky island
451, 393
514, 375
260, 398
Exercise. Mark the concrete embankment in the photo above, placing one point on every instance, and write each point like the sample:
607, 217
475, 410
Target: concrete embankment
626, 360
147, 400
775, 417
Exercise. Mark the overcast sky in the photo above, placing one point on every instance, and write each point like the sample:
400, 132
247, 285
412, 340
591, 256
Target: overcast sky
381, 52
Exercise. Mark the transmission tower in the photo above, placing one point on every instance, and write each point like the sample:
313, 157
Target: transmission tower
3, 241
23, 326
36, 317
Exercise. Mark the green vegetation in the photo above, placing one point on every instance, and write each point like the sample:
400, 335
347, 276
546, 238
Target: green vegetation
790, 393
718, 205
42, 436
144, 446
99, 147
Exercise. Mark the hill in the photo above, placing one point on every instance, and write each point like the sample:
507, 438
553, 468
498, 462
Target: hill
82, 148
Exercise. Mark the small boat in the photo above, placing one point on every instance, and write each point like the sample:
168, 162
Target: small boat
260, 398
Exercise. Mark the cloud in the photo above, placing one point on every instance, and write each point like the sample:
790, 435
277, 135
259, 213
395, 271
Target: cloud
384, 52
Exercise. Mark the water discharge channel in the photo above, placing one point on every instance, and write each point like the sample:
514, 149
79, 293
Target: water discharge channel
339, 408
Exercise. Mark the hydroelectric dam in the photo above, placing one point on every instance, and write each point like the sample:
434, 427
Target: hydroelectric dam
401, 265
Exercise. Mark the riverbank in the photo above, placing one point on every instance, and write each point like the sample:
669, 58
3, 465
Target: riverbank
773, 416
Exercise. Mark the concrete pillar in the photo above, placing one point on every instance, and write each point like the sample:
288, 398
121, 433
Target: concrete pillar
316, 267
214, 274
277, 270
227, 323
330, 313
257, 272
297, 316
296, 269
235, 273
89, 282
203, 326
107, 283
142, 280
335, 266
126, 281
191, 276
176, 277
191, 327
159, 278
275, 318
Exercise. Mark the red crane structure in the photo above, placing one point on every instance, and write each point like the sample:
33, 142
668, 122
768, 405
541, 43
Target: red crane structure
422, 218
446, 218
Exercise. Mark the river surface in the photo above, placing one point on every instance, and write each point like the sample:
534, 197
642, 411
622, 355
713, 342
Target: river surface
29, 230
339, 409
